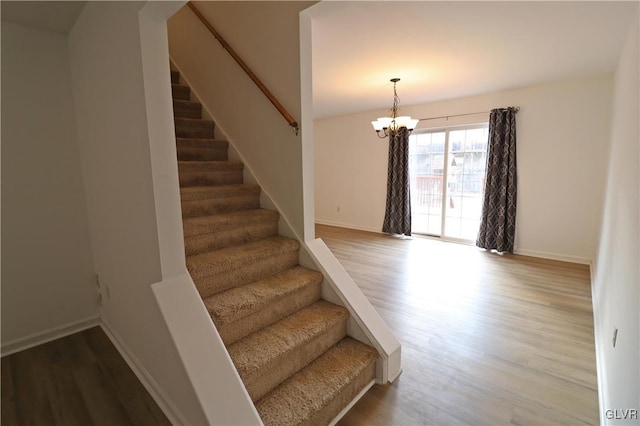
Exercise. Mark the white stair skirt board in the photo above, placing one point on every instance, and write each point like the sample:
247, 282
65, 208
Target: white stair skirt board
353, 402
380, 336
203, 354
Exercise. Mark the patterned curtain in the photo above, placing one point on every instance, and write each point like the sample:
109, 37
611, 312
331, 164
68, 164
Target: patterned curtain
498, 223
397, 216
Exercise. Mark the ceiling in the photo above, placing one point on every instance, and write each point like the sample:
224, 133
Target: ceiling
439, 49
57, 16
450, 49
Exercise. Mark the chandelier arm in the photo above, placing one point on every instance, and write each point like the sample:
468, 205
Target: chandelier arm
384, 134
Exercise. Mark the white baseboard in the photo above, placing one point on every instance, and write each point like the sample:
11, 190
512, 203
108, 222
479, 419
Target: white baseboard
553, 256
55, 333
600, 370
347, 225
157, 393
523, 252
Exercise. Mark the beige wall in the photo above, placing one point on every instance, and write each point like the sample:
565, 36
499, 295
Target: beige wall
47, 268
265, 34
563, 132
108, 86
616, 281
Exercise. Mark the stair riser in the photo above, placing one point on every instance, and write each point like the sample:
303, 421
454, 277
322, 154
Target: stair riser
202, 154
175, 77
234, 331
210, 178
209, 285
199, 131
193, 123
207, 207
184, 104
228, 237
292, 362
180, 92
186, 113
199, 143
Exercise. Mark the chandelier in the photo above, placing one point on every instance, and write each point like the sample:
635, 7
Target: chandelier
385, 125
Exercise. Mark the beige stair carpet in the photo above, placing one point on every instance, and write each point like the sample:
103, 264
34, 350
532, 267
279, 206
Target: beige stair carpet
289, 346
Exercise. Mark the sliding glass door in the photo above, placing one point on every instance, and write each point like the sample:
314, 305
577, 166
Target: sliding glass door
447, 169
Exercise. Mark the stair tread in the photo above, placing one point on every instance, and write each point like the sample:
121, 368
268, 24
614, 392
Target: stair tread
217, 261
183, 108
207, 224
240, 302
298, 399
209, 165
184, 103
193, 121
193, 193
257, 351
202, 143
191, 127
180, 91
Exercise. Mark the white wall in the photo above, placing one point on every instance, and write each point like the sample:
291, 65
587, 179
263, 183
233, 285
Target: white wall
562, 131
216, 382
108, 87
266, 35
616, 281
48, 282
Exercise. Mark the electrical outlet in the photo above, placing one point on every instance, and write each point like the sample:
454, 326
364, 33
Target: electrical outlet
103, 289
615, 335
99, 289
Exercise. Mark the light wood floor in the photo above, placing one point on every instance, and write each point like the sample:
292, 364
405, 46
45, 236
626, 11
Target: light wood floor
486, 339
77, 380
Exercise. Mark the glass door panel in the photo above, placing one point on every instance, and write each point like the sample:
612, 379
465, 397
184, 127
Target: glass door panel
426, 165
465, 178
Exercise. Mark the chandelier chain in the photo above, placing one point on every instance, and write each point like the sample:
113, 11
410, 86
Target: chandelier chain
396, 102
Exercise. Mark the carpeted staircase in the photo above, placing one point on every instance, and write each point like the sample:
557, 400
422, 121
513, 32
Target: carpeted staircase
289, 346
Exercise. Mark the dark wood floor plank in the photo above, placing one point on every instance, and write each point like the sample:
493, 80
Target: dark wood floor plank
62, 357
8, 413
77, 380
33, 405
100, 397
140, 408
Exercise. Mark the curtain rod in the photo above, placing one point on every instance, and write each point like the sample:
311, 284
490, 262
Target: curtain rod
461, 115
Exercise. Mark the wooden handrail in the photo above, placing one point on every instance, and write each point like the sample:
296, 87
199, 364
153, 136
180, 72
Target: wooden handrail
292, 121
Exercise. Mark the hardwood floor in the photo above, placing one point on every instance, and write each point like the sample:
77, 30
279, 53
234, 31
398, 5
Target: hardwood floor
486, 339
77, 380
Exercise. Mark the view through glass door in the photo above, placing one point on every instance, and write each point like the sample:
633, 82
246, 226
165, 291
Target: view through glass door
447, 171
